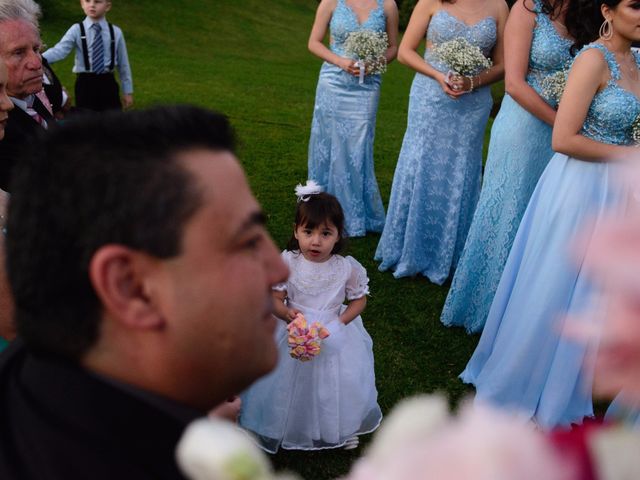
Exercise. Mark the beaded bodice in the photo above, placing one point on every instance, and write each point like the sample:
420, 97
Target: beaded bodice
445, 26
613, 109
550, 51
344, 21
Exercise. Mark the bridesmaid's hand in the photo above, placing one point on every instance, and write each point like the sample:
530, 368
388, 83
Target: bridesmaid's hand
349, 66
454, 90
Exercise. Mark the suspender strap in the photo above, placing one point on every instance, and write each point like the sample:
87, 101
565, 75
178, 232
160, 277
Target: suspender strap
85, 49
113, 48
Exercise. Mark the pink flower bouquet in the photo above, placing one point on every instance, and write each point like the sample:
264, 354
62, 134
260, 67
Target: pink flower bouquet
304, 339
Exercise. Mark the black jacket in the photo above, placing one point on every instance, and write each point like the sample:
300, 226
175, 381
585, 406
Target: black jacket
60, 422
20, 132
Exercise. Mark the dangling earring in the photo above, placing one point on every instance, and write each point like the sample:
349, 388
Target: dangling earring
606, 30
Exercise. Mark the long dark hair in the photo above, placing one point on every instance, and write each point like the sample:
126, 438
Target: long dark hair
319, 209
552, 10
584, 19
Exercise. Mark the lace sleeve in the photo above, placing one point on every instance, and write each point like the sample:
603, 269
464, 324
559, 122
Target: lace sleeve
282, 287
357, 282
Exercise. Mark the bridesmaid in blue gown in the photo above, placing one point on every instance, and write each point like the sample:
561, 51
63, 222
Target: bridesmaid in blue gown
536, 46
344, 116
437, 179
522, 361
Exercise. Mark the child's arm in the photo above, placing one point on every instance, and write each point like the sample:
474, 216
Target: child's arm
124, 71
354, 309
64, 47
357, 289
280, 310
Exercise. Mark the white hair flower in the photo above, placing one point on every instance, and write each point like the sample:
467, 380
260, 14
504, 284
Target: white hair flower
304, 192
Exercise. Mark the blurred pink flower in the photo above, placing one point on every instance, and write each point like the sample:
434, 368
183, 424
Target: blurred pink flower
613, 264
480, 443
304, 340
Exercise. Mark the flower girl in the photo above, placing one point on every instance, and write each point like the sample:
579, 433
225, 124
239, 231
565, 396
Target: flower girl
330, 399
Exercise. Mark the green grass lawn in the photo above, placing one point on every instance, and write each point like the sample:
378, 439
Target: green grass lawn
249, 60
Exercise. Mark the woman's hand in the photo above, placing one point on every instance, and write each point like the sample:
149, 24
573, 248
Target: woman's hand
466, 84
451, 87
349, 66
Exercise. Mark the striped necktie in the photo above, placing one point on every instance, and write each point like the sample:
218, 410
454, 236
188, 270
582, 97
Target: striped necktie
97, 49
34, 114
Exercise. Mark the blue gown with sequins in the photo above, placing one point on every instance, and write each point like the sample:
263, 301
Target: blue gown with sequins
437, 178
519, 150
343, 127
522, 362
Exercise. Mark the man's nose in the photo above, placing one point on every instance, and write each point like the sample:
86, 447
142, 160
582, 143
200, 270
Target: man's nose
277, 270
35, 61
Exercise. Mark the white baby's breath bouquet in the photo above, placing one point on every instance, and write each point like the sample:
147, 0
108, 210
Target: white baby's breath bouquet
553, 86
461, 57
635, 130
368, 48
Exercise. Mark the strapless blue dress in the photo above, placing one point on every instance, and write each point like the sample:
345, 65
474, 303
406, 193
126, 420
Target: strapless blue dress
519, 150
343, 127
522, 362
437, 178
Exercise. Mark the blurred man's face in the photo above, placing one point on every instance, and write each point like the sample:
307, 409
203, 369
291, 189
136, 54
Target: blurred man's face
216, 294
20, 49
5, 102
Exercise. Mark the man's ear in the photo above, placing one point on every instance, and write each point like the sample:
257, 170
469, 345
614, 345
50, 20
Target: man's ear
119, 276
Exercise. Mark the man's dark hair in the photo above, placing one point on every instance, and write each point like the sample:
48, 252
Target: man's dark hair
112, 178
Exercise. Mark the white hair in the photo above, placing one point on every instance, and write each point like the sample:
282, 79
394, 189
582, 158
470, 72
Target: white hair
26, 10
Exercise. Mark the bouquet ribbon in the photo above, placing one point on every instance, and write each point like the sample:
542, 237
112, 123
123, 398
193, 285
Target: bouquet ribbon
360, 64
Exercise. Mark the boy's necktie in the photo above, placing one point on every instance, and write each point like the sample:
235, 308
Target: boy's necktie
97, 49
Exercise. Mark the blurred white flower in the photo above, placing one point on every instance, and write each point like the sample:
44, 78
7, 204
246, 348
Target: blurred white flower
410, 421
615, 454
213, 449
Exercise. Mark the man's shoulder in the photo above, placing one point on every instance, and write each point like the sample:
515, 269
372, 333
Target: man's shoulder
77, 423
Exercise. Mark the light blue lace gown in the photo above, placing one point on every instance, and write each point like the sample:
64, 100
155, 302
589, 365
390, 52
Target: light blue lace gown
521, 361
437, 178
343, 127
519, 151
